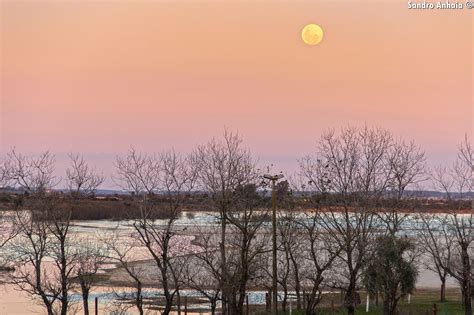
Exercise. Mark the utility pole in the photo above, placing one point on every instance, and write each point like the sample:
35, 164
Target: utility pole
274, 179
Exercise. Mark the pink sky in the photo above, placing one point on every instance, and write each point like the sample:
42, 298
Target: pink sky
97, 77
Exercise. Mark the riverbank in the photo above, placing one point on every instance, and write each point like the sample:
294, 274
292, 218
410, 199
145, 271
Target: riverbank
124, 207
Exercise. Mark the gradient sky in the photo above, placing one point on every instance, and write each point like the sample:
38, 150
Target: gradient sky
99, 76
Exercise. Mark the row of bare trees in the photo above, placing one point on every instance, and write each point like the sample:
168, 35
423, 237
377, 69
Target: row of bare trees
449, 239
227, 255
49, 261
358, 184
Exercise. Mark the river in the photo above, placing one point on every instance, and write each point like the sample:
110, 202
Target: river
18, 303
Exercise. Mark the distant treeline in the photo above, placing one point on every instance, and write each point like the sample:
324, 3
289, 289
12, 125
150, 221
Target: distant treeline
124, 207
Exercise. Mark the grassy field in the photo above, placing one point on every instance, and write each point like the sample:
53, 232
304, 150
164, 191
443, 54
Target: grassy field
421, 304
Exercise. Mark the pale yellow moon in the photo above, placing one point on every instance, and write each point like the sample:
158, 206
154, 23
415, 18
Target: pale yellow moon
312, 34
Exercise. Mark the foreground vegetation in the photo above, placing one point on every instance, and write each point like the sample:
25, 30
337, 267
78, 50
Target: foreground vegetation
421, 304
353, 236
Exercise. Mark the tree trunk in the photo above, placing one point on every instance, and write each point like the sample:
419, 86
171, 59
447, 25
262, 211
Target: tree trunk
350, 298
310, 309
223, 265
386, 307
297, 282
64, 277
240, 304
213, 307
64, 305
268, 306
312, 299
47, 304
165, 282
139, 299
350, 310
443, 291
168, 305
49, 309
298, 295
234, 306
393, 305
85, 299
178, 300
466, 293
466, 281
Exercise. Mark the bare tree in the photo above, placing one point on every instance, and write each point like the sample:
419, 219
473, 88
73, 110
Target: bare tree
294, 246
438, 243
44, 234
34, 173
284, 265
34, 242
224, 166
62, 250
6, 172
204, 267
89, 256
44, 245
320, 256
406, 169
7, 229
407, 166
81, 179
173, 176
31, 248
245, 246
291, 245
305, 258
123, 251
201, 279
350, 170
450, 242
138, 172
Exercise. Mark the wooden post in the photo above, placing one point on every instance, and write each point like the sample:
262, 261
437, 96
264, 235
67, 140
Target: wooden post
332, 308
179, 304
274, 247
367, 303
96, 306
435, 310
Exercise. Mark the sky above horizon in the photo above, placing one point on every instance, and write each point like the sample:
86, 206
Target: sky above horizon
97, 77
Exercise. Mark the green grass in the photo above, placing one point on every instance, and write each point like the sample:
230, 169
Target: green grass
448, 308
421, 304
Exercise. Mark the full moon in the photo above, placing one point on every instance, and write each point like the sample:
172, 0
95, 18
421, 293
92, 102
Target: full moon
312, 34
